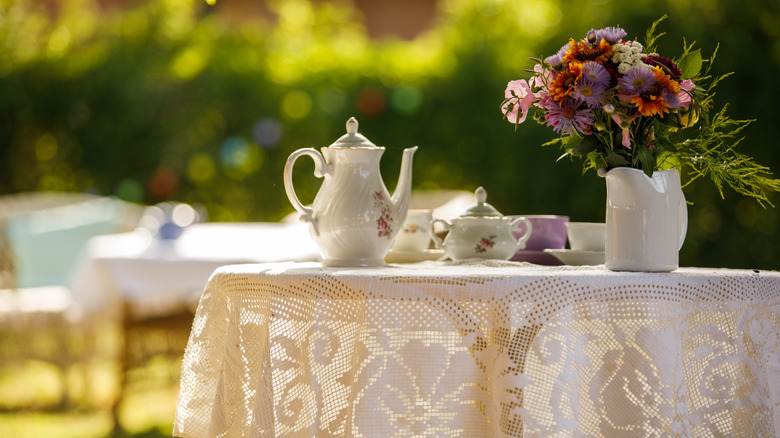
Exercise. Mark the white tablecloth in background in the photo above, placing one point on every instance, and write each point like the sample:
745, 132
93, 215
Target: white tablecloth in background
155, 276
489, 349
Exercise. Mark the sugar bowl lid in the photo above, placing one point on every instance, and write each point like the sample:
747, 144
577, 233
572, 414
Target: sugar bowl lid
481, 208
353, 139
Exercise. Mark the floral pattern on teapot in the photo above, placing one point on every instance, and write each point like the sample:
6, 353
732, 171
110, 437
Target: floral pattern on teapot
385, 219
485, 243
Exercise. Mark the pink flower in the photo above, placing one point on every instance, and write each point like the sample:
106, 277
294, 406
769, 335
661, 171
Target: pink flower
626, 139
684, 99
519, 99
541, 77
626, 134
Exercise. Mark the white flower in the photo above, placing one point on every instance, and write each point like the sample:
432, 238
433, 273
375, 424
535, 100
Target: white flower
619, 48
623, 68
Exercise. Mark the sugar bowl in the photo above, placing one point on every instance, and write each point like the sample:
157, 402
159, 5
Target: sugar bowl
481, 232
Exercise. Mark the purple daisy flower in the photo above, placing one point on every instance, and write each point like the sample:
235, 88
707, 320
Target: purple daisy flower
670, 98
637, 80
567, 118
557, 59
590, 92
595, 72
611, 34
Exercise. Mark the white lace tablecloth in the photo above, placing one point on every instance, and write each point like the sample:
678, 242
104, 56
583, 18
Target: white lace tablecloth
484, 349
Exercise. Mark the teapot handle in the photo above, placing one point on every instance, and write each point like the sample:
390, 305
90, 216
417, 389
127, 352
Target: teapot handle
515, 224
320, 169
436, 240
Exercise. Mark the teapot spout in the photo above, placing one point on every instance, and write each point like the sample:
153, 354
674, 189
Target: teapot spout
403, 189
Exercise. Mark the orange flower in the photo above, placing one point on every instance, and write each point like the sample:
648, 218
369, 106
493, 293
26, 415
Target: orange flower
656, 100
583, 51
663, 80
566, 81
650, 105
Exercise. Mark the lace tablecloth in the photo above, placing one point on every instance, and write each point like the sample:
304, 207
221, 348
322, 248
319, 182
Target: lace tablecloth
484, 349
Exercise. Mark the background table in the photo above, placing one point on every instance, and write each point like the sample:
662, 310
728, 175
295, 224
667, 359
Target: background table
154, 277
498, 349
148, 288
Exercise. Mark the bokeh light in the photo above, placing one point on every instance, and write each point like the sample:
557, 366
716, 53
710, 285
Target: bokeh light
331, 100
59, 40
296, 104
406, 99
240, 158
371, 101
130, 190
201, 168
267, 132
189, 62
46, 147
184, 215
163, 183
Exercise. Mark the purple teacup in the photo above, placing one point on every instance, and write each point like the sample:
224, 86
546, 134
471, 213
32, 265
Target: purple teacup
549, 232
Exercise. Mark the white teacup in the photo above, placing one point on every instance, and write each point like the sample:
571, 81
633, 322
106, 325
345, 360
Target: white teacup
413, 235
586, 236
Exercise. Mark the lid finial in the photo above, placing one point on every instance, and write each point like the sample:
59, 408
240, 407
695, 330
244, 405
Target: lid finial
352, 126
352, 138
481, 195
481, 208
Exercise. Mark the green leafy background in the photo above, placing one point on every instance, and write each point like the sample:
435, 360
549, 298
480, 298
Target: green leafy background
167, 100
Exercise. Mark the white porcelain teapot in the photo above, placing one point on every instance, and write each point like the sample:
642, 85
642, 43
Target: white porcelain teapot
481, 231
353, 218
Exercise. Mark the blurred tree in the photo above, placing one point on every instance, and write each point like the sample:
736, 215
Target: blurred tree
170, 100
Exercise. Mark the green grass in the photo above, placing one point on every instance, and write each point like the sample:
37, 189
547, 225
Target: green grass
31, 405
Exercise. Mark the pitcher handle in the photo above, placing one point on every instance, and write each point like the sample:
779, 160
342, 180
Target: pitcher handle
683, 218
438, 243
320, 169
515, 224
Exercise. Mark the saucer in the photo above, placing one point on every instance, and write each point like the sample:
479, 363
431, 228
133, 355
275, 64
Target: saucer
536, 257
577, 258
413, 256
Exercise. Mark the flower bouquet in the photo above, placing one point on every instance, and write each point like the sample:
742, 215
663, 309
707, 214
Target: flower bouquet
617, 103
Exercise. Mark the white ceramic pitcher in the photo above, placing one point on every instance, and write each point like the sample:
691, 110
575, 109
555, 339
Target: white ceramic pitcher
647, 219
353, 218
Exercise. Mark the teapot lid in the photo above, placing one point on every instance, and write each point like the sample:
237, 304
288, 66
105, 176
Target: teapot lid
481, 208
352, 139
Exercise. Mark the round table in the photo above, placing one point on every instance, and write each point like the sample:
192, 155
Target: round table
482, 348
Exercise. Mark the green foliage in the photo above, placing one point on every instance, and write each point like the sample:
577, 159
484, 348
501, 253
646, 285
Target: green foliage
169, 100
651, 37
690, 64
712, 154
